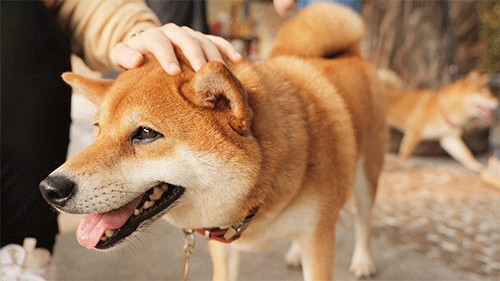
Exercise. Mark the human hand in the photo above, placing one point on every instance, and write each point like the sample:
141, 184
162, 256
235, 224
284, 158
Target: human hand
282, 6
198, 48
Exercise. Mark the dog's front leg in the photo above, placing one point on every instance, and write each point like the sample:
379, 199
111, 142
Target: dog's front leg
318, 254
225, 261
458, 150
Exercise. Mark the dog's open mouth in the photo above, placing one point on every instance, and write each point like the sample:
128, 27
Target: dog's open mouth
105, 230
485, 111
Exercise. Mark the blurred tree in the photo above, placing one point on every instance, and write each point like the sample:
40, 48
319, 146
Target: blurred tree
428, 43
489, 13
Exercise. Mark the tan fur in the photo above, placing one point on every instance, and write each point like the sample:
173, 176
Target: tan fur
285, 134
438, 115
320, 33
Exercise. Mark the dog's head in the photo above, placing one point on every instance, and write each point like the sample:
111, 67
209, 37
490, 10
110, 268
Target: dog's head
473, 96
179, 146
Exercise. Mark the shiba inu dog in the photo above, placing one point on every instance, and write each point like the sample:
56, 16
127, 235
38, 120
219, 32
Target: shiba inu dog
438, 115
246, 154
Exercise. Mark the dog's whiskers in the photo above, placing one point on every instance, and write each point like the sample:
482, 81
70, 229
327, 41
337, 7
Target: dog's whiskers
149, 232
126, 191
135, 245
207, 163
106, 185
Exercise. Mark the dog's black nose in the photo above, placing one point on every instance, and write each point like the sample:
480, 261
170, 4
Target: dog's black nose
57, 190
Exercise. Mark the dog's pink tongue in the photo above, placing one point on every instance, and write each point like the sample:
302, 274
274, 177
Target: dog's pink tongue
93, 226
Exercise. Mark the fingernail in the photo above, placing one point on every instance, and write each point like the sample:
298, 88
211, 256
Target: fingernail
135, 60
174, 68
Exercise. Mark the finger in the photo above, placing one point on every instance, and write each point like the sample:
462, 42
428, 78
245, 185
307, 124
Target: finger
126, 57
189, 45
154, 41
225, 47
209, 49
282, 6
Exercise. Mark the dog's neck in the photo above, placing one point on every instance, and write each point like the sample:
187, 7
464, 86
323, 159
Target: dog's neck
446, 116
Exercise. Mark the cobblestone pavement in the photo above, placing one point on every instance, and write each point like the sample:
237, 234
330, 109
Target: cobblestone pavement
442, 211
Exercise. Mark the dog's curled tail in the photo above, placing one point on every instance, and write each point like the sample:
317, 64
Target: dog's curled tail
321, 30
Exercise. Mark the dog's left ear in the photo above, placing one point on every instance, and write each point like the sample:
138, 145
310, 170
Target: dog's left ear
476, 78
93, 89
215, 87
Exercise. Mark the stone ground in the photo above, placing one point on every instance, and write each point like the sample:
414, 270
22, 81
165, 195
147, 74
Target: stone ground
442, 211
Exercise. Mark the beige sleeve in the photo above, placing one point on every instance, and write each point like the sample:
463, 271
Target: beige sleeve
96, 26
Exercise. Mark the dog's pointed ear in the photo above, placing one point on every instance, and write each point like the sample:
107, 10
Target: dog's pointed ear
475, 78
215, 87
93, 89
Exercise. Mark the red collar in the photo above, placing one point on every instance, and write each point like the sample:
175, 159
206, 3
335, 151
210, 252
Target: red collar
446, 117
228, 235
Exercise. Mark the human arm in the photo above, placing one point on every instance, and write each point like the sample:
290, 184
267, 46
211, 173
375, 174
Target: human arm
96, 26
103, 32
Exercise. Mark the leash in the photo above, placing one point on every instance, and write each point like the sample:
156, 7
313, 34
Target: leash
188, 248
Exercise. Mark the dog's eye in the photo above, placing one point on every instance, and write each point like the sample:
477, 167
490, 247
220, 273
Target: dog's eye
145, 134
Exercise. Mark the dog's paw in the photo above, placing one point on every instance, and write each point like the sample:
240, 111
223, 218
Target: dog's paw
362, 266
293, 261
475, 166
293, 257
405, 164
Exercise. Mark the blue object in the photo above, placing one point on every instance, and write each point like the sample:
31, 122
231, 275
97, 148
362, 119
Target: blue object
356, 5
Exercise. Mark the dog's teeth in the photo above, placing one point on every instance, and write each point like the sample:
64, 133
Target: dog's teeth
148, 204
157, 193
104, 238
138, 211
164, 187
109, 232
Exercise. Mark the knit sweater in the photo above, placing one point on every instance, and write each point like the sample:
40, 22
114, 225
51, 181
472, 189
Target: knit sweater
96, 26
